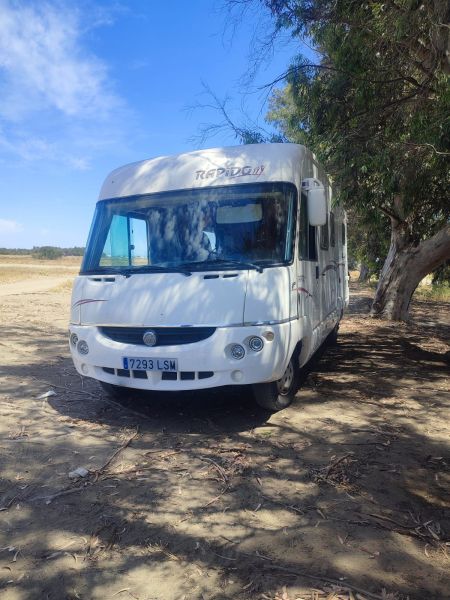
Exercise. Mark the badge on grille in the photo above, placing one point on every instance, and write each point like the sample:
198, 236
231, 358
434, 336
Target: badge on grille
149, 338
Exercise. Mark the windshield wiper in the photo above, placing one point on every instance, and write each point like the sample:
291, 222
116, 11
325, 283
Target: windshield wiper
128, 271
156, 269
231, 261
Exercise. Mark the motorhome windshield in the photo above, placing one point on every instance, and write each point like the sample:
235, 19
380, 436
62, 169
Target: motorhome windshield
231, 226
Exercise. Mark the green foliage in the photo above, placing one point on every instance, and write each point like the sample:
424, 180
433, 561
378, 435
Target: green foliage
442, 274
14, 251
438, 292
367, 240
47, 252
74, 251
375, 110
56, 252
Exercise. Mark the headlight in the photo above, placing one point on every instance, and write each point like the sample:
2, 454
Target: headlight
73, 339
82, 347
255, 343
237, 351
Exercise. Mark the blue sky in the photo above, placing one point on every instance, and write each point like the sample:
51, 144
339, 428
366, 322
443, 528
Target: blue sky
88, 86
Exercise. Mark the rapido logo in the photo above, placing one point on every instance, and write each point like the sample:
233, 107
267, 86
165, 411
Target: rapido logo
231, 172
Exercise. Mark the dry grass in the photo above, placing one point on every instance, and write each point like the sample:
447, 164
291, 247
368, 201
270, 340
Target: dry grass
63, 287
29, 259
432, 293
20, 268
437, 293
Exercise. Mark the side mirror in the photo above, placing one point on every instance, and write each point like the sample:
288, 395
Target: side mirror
317, 206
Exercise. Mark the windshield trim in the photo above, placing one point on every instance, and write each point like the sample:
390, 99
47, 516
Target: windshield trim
194, 189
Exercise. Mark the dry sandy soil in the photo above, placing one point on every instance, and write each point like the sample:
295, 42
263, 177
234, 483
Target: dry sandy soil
203, 495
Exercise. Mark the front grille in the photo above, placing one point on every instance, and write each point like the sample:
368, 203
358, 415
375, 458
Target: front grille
165, 336
123, 372
165, 375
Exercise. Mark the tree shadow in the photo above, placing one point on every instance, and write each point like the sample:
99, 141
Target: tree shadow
214, 498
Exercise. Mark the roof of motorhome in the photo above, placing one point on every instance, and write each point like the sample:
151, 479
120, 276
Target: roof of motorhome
204, 168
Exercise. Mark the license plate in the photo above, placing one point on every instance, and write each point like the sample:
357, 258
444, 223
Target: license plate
150, 364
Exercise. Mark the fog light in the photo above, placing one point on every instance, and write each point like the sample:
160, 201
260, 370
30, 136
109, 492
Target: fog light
255, 343
73, 339
85, 369
237, 351
269, 335
82, 347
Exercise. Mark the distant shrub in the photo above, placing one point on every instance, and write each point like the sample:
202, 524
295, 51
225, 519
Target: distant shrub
15, 251
74, 251
47, 252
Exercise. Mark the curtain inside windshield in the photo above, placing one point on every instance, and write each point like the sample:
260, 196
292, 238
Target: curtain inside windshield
252, 223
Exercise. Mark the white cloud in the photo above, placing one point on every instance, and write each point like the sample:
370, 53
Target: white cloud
35, 148
8, 226
57, 102
44, 65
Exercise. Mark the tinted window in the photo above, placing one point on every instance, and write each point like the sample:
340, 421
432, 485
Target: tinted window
307, 241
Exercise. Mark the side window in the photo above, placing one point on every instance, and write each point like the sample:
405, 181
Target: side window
126, 243
343, 238
312, 244
332, 231
307, 242
324, 236
115, 250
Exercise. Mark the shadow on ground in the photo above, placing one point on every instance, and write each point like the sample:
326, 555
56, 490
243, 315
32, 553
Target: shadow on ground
215, 498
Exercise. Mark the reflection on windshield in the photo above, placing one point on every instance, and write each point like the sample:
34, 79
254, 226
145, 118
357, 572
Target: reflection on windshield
202, 228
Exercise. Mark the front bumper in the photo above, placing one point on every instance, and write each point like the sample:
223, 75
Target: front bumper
203, 364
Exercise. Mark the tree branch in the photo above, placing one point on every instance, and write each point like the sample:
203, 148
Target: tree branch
426, 145
390, 214
293, 70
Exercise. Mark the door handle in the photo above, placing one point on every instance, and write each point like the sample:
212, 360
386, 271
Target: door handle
317, 272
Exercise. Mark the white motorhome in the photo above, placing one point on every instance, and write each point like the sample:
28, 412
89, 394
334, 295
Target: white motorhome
225, 266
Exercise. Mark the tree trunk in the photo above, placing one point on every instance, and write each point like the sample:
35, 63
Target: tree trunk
405, 266
364, 273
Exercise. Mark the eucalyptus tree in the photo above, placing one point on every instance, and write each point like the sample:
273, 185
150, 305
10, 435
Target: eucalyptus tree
375, 108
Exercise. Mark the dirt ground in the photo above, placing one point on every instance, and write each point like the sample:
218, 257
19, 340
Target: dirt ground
203, 496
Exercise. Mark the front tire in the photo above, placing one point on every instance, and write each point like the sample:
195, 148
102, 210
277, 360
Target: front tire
332, 337
277, 395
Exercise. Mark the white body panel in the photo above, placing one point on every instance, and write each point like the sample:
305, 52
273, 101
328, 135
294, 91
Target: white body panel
204, 168
164, 300
298, 303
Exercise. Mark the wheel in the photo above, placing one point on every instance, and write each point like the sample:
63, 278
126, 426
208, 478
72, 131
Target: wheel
332, 337
277, 395
115, 391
